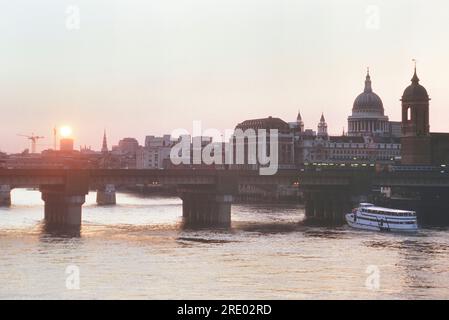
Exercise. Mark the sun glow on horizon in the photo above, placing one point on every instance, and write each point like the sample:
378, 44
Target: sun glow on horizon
65, 131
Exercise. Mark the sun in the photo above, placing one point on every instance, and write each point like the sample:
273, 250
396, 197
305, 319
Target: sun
65, 131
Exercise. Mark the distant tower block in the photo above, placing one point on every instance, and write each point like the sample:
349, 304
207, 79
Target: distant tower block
66, 144
104, 147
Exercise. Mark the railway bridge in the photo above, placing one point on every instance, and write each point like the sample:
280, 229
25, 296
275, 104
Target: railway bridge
330, 193
207, 195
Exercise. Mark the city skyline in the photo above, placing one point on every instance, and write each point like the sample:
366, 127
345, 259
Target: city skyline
66, 131
206, 152
136, 69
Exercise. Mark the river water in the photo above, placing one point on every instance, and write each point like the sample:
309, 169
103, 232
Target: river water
139, 250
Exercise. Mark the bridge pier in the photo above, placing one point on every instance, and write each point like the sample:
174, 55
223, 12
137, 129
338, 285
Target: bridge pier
63, 203
5, 195
327, 206
63, 210
209, 205
206, 209
309, 205
319, 206
106, 195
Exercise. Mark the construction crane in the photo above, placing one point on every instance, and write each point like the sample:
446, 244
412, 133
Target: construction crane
33, 139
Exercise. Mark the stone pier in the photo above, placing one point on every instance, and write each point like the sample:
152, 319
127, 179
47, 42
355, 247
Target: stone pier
106, 195
5, 195
63, 203
62, 209
206, 209
209, 205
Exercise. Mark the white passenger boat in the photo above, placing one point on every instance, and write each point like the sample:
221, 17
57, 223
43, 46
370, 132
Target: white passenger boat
369, 217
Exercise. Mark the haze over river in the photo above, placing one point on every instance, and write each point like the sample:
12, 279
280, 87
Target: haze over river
138, 249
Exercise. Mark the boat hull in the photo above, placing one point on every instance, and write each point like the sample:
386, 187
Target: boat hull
388, 226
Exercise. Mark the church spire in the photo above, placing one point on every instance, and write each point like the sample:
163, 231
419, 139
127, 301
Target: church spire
300, 122
299, 118
415, 78
104, 147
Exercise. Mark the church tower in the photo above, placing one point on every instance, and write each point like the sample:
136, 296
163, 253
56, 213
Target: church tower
415, 109
416, 140
322, 127
104, 147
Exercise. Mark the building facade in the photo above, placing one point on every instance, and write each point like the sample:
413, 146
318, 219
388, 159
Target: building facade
126, 146
285, 138
320, 148
155, 153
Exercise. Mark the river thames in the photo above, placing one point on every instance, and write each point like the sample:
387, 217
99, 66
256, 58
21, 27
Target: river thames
138, 249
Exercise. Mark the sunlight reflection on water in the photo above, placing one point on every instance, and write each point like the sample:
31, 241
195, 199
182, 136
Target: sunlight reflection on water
138, 249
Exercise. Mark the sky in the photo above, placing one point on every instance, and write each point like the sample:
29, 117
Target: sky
146, 67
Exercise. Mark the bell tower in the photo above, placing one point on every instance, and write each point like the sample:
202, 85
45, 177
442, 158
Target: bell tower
416, 140
415, 110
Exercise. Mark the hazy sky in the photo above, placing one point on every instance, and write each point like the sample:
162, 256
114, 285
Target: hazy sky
147, 67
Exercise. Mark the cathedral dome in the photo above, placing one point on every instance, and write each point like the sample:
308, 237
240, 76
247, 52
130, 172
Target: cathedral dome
368, 118
368, 101
415, 91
